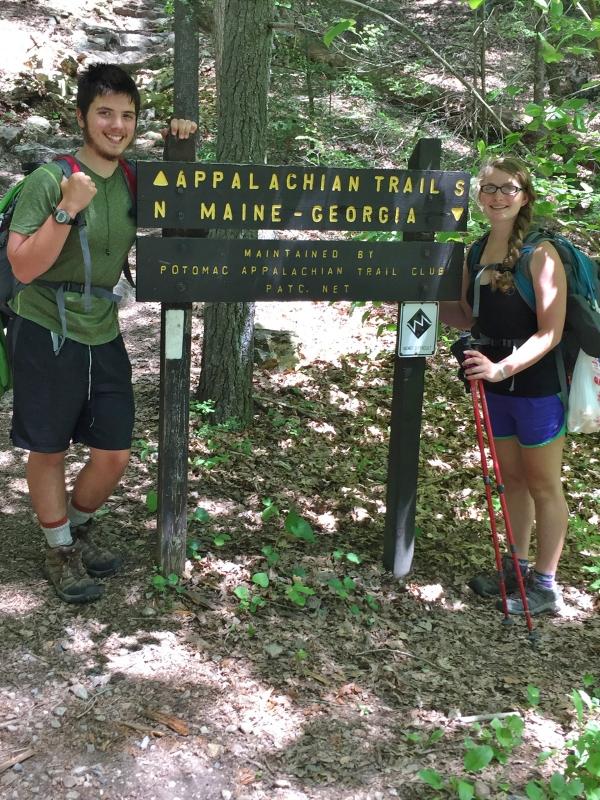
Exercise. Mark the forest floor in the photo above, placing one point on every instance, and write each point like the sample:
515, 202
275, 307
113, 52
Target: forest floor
288, 664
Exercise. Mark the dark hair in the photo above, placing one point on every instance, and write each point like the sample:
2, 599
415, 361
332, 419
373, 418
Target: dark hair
504, 279
99, 79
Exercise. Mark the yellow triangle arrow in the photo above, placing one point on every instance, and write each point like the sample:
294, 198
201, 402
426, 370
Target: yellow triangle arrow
161, 179
457, 213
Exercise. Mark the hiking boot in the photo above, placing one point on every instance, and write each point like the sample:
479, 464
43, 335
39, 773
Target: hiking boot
539, 599
488, 585
98, 561
66, 573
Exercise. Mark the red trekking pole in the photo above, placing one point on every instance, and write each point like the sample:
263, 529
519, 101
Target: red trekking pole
478, 396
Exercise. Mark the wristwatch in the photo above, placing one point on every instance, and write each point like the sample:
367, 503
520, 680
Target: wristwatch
62, 217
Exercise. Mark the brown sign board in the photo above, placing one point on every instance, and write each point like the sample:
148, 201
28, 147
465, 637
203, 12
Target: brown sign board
200, 195
183, 270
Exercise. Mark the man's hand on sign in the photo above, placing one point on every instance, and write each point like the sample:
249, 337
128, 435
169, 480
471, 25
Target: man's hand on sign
181, 128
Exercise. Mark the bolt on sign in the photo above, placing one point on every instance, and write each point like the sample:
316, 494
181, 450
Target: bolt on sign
182, 195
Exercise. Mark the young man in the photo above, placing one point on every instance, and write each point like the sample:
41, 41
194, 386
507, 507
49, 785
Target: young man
71, 373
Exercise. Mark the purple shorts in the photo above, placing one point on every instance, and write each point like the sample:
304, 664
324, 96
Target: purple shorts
535, 421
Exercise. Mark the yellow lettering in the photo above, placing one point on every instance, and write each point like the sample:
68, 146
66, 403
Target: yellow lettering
353, 183
236, 181
247, 253
163, 268
393, 183
317, 213
459, 188
411, 216
336, 186
259, 212
274, 183
276, 212
227, 212
160, 209
384, 214
208, 211
217, 178
432, 187
350, 213
290, 181
181, 181
378, 181
367, 213
333, 213
251, 184
422, 185
408, 187
199, 177
308, 181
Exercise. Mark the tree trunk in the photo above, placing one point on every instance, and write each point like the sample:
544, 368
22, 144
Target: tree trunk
539, 65
243, 47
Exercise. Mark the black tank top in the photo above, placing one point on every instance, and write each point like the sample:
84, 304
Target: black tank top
505, 315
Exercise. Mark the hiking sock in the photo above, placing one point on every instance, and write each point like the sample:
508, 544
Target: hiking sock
545, 580
79, 515
58, 534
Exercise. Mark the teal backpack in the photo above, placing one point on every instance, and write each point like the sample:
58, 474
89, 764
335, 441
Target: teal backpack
582, 322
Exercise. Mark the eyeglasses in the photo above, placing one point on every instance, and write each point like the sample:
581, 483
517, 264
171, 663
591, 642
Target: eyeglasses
506, 188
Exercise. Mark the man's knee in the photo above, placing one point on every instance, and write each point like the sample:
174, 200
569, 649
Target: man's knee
113, 462
46, 460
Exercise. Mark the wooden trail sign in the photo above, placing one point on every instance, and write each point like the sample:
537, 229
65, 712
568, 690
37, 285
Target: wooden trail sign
182, 195
241, 270
179, 270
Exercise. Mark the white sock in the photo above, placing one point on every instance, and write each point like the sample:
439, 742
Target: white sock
77, 517
58, 535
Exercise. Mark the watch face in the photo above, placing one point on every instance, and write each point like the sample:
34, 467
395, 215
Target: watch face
62, 216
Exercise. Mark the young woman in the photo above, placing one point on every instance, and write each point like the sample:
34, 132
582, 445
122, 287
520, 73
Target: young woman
521, 379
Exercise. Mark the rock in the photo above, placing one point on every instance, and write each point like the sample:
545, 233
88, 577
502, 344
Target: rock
70, 781
79, 691
9, 136
54, 723
32, 152
59, 711
38, 123
246, 727
147, 611
275, 349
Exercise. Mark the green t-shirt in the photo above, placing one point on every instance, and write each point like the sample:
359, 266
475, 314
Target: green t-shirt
110, 230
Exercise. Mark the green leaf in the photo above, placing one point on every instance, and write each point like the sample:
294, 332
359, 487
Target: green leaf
543, 4
152, 501
337, 30
478, 757
533, 695
159, 582
353, 558
474, 4
242, 592
578, 703
534, 791
200, 515
270, 510
221, 539
432, 778
299, 527
558, 783
466, 790
261, 579
549, 53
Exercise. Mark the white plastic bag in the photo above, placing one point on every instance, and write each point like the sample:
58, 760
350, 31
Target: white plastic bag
584, 398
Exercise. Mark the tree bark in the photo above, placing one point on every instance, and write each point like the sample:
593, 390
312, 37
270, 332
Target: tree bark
539, 65
243, 56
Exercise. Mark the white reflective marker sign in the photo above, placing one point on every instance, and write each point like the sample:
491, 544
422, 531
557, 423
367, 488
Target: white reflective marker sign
418, 329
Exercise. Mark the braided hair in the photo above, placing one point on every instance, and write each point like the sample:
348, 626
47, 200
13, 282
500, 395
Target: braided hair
503, 278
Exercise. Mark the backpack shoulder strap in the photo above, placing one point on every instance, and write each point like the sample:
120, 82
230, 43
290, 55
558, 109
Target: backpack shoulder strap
475, 270
129, 168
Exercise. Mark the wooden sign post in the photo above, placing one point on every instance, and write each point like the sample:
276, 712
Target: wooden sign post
180, 269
